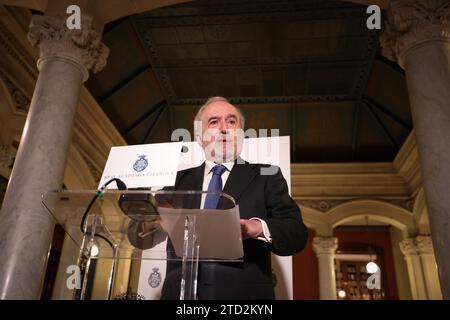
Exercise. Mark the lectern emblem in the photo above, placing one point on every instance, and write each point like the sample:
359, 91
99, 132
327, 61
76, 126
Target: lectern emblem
155, 278
140, 163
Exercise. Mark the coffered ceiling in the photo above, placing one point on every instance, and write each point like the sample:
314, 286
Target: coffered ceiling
308, 68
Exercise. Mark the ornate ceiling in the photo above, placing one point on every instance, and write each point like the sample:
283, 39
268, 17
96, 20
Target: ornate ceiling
309, 68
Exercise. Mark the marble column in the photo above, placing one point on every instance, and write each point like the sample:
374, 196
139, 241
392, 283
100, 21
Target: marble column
325, 248
66, 57
414, 266
417, 36
426, 254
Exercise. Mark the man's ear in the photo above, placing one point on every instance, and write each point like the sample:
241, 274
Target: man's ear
198, 138
197, 129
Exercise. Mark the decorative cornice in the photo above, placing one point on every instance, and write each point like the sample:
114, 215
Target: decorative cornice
321, 204
365, 67
411, 23
407, 204
325, 245
325, 205
83, 46
15, 51
20, 99
96, 172
7, 155
348, 181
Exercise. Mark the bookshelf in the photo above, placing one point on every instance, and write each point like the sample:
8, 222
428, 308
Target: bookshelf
351, 278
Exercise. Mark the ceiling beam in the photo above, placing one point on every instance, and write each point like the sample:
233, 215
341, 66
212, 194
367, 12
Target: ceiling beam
162, 107
394, 65
368, 100
322, 98
189, 63
115, 89
383, 127
355, 129
142, 118
147, 54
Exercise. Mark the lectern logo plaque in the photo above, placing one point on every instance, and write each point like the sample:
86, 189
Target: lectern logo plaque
154, 280
140, 163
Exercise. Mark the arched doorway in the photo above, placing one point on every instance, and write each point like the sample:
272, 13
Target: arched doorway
370, 231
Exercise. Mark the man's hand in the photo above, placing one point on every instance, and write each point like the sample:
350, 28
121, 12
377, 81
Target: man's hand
148, 227
251, 229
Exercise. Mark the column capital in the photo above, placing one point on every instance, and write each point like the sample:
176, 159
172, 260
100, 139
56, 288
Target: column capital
325, 245
417, 246
408, 247
424, 245
82, 47
413, 22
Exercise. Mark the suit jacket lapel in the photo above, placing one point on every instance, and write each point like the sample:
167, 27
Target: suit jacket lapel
192, 179
197, 177
240, 177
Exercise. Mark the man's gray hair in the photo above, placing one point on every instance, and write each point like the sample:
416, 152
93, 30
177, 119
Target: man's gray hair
215, 99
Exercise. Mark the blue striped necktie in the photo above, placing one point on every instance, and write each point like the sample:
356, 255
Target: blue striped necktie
215, 185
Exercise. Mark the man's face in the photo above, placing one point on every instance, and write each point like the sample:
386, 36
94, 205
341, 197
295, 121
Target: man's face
222, 133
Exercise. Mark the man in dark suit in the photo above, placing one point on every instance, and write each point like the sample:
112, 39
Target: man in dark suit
270, 220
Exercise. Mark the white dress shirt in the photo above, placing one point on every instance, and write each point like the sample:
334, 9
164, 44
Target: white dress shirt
207, 176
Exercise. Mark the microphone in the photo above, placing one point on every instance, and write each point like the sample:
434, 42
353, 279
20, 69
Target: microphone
120, 184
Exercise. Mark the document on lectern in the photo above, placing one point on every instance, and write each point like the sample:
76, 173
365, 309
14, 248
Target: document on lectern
218, 232
144, 165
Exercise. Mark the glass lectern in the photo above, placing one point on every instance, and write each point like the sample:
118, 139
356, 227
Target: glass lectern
108, 236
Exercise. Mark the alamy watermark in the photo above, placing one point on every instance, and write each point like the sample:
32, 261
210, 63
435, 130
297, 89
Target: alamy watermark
234, 138
74, 20
374, 280
74, 279
374, 20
